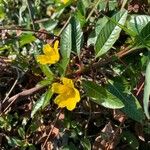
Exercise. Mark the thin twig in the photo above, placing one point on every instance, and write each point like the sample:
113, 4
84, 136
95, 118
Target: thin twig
41, 20
89, 118
21, 95
91, 12
123, 4
112, 58
53, 126
27, 30
114, 135
30, 14
86, 113
14, 84
140, 88
64, 26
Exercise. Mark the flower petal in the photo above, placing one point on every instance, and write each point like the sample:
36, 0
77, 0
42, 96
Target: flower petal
61, 101
56, 45
67, 82
77, 95
46, 59
58, 88
64, 101
42, 59
71, 105
47, 49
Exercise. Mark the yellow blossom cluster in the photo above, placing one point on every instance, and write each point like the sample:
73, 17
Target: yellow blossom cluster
68, 95
51, 54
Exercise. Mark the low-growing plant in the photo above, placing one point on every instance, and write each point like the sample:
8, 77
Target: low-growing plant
75, 74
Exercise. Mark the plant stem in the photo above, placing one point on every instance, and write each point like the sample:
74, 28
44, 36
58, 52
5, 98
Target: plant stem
30, 14
27, 30
123, 4
91, 12
64, 26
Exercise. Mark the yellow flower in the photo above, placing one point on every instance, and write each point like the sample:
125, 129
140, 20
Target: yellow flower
64, 1
51, 54
68, 94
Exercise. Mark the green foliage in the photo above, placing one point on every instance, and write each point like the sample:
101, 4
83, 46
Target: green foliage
77, 36
26, 39
101, 96
132, 107
109, 33
2, 11
47, 72
146, 91
86, 144
65, 48
144, 36
98, 27
42, 102
103, 48
137, 22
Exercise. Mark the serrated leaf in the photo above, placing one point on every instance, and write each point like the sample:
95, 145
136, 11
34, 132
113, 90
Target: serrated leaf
110, 33
98, 27
50, 24
65, 49
147, 91
101, 96
77, 35
42, 102
144, 36
132, 107
137, 22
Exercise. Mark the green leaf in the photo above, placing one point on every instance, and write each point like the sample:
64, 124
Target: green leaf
13, 141
86, 144
137, 22
111, 5
144, 36
22, 9
50, 24
82, 5
101, 96
2, 12
47, 71
80, 17
65, 49
132, 107
110, 33
21, 132
48, 96
26, 39
42, 102
77, 35
98, 27
45, 82
147, 91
